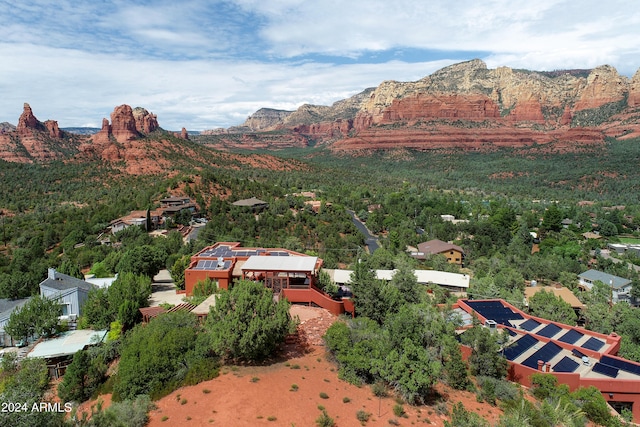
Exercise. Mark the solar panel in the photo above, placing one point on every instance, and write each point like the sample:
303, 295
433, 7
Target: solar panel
623, 365
607, 370
578, 353
593, 344
512, 332
519, 346
566, 365
549, 330
546, 353
571, 337
530, 325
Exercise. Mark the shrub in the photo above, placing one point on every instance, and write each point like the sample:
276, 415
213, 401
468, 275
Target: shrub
379, 389
363, 416
346, 400
324, 420
324, 395
398, 411
294, 387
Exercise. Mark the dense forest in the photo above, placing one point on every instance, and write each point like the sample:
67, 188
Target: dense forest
510, 200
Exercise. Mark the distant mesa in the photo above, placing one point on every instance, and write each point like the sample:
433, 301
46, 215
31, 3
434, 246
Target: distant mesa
462, 106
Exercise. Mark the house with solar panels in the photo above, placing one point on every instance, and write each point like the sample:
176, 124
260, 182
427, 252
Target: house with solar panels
575, 356
287, 273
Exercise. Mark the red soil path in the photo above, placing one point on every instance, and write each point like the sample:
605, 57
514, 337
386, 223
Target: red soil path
264, 396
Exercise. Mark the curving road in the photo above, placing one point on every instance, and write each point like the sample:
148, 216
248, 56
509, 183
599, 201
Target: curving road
370, 240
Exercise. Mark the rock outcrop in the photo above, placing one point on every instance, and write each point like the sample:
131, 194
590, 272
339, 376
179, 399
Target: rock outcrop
27, 122
146, 122
472, 106
266, 119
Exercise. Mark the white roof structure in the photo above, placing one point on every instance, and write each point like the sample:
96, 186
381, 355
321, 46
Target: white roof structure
68, 343
280, 263
442, 278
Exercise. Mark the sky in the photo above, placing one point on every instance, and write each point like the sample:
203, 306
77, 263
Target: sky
204, 64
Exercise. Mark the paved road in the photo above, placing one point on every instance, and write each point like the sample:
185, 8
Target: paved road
370, 240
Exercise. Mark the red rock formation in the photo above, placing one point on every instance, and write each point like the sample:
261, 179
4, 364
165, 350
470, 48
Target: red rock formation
434, 106
102, 137
54, 130
28, 122
123, 124
146, 122
604, 85
184, 134
634, 90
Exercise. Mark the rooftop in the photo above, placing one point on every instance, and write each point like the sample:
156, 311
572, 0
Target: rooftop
67, 343
607, 279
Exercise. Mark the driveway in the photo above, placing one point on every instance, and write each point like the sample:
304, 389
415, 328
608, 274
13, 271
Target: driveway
163, 290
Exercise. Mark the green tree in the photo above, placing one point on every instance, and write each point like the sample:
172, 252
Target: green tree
246, 323
485, 358
548, 306
177, 270
552, 219
147, 260
412, 370
37, 317
158, 357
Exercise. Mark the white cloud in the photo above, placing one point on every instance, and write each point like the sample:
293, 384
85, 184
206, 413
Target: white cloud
204, 64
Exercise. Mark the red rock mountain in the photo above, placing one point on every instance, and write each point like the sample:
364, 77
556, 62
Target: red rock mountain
467, 106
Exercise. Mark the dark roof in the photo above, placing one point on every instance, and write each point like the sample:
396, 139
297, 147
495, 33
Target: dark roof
63, 282
8, 305
436, 246
249, 202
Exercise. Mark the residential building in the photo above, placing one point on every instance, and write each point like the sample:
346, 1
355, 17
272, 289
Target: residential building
453, 253
70, 292
620, 287
287, 273
575, 356
253, 203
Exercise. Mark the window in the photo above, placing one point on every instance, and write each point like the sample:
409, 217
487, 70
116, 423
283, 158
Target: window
65, 309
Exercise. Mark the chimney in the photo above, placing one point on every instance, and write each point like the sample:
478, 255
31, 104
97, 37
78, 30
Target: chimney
540, 364
51, 273
548, 367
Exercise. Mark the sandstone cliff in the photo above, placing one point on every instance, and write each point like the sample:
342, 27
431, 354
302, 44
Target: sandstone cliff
470, 106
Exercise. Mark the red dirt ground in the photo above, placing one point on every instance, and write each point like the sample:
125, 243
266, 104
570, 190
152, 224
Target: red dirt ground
263, 395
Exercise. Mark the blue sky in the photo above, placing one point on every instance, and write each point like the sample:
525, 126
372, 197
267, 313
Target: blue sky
207, 64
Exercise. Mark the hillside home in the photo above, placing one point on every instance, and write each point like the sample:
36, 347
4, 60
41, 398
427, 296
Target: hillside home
253, 203
453, 253
620, 287
70, 292
287, 273
575, 356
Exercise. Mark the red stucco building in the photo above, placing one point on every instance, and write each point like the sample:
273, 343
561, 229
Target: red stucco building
289, 274
575, 356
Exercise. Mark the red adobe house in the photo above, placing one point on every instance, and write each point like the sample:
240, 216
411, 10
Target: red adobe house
575, 356
289, 274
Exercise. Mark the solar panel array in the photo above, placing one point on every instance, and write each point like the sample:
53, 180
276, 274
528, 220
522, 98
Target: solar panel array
530, 325
494, 310
207, 264
593, 344
519, 346
607, 370
566, 365
571, 337
546, 353
549, 330
227, 252
623, 365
